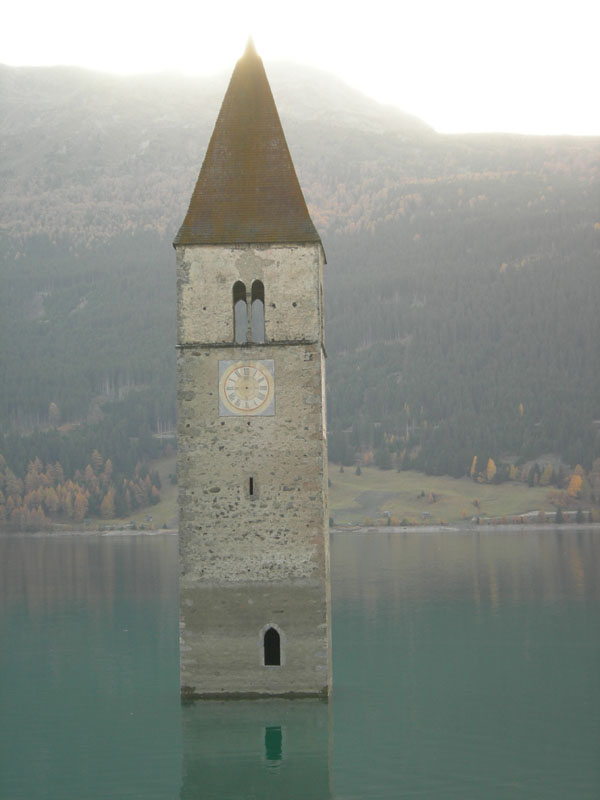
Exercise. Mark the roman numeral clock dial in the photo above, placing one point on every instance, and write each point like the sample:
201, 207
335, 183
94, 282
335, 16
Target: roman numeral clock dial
246, 388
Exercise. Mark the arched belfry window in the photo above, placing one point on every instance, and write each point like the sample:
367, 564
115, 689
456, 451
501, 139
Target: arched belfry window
272, 648
258, 312
240, 313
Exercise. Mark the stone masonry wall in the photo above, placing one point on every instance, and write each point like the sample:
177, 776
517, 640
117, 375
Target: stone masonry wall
225, 533
248, 561
291, 275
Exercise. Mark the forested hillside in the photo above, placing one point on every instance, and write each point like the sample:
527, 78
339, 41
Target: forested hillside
462, 284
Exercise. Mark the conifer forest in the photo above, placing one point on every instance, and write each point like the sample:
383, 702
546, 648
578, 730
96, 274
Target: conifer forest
462, 283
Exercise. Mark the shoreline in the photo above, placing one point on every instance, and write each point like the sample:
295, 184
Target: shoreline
88, 532
532, 526
121, 532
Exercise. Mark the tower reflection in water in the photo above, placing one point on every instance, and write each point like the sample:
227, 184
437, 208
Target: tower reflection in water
248, 749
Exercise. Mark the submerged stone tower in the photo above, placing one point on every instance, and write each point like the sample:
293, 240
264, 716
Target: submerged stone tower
252, 468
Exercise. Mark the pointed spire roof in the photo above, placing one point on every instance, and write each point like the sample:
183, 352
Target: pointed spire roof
247, 190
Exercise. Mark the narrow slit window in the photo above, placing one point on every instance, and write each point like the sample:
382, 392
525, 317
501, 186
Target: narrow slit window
272, 644
240, 313
258, 312
251, 487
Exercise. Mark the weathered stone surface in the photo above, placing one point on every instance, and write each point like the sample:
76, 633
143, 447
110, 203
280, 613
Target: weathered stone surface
222, 629
253, 557
205, 279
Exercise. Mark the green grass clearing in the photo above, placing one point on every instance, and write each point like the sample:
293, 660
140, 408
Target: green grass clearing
406, 495
356, 498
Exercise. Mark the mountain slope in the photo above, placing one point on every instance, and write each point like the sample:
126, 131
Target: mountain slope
462, 284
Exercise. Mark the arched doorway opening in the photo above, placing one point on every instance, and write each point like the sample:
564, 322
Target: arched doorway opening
272, 648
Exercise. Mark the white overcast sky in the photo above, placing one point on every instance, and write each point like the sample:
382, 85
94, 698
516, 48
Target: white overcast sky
529, 66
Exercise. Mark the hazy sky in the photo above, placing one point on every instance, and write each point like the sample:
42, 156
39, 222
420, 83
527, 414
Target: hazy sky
529, 66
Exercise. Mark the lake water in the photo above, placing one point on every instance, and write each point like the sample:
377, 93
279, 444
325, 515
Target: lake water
466, 665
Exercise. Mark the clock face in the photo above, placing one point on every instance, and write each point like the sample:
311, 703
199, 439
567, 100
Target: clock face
246, 388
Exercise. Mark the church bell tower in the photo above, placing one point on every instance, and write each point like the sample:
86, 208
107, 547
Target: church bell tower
252, 448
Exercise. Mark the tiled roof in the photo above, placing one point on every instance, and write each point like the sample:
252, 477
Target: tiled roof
247, 190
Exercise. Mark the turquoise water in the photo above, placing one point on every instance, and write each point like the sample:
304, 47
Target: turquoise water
466, 665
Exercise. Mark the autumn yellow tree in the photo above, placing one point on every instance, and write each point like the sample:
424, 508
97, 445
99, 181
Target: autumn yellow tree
80, 506
33, 499
50, 500
91, 481
473, 466
33, 479
107, 506
106, 476
13, 486
490, 470
575, 485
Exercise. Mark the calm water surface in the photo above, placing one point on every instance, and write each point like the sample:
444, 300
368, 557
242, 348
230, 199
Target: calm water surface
466, 665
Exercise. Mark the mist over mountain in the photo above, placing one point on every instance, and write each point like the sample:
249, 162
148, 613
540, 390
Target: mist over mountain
463, 276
